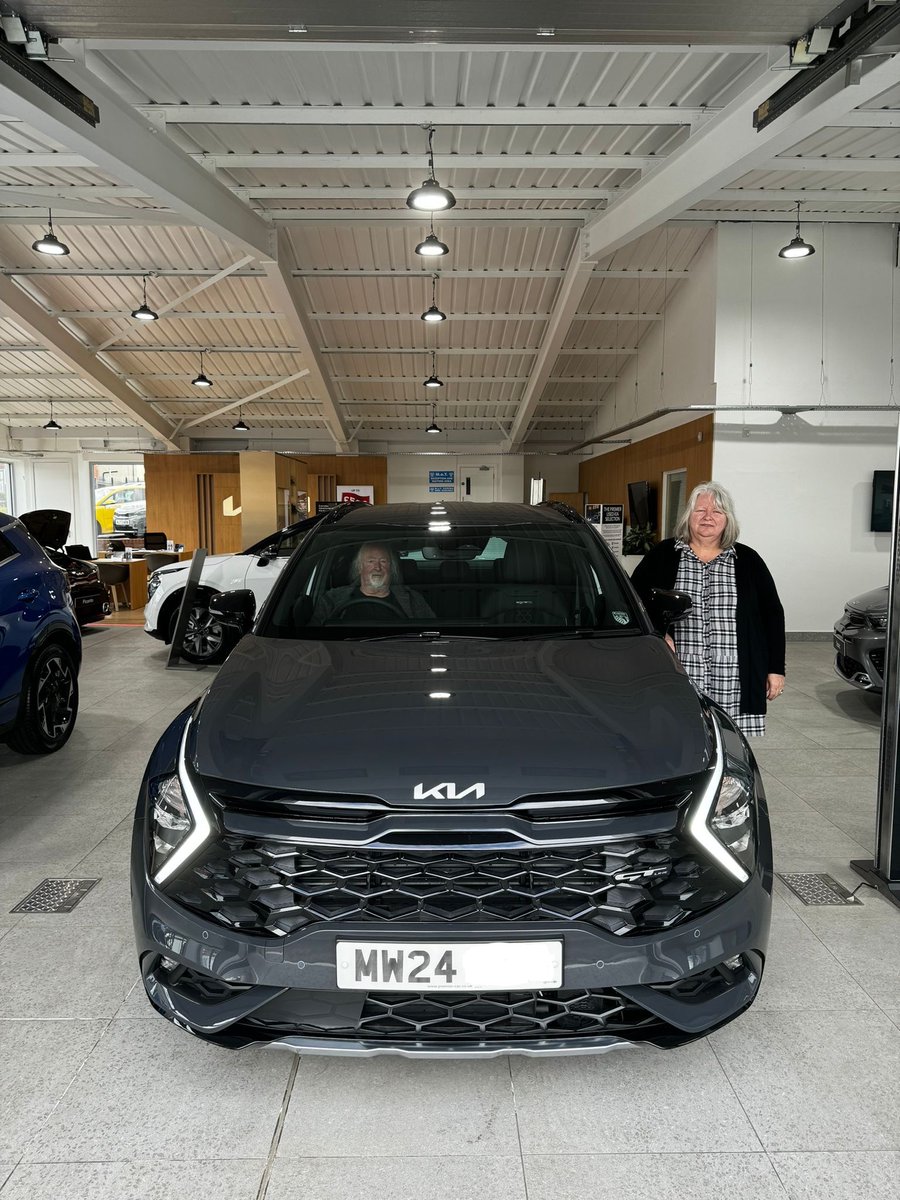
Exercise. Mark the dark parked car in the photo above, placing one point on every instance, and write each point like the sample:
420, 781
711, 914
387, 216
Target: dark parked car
452, 795
40, 646
859, 640
90, 596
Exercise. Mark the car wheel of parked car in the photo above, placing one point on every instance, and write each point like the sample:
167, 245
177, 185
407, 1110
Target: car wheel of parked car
49, 703
204, 639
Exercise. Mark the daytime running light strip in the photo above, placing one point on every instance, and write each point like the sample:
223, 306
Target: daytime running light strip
202, 828
698, 826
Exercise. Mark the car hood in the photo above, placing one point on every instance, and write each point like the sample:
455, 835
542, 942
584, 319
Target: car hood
522, 717
211, 560
49, 526
874, 602
131, 506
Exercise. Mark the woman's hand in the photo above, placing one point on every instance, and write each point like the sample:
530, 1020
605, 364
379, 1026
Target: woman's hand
774, 686
670, 643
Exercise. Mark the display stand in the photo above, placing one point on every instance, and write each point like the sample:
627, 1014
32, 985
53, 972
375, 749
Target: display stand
883, 872
187, 602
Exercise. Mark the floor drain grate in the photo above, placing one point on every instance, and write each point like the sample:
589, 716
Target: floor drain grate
55, 896
817, 889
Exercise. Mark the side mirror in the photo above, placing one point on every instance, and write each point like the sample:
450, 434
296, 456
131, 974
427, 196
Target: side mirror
665, 606
236, 610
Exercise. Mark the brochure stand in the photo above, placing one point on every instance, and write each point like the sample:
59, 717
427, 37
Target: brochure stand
187, 603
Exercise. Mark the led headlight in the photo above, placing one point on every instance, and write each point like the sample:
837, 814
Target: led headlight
178, 822
723, 820
153, 582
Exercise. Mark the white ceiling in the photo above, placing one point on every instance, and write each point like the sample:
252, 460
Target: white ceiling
262, 186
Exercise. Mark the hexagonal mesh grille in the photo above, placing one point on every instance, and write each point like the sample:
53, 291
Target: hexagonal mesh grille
624, 887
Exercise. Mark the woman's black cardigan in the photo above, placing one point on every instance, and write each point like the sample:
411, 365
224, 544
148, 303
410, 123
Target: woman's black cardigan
759, 615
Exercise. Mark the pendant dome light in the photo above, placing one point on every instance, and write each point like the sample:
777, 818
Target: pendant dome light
432, 381
240, 425
52, 425
430, 197
433, 427
201, 381
433, 314
796, 247
50, 243
432, 247
145, 312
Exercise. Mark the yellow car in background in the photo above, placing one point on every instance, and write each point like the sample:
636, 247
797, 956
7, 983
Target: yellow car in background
108, 500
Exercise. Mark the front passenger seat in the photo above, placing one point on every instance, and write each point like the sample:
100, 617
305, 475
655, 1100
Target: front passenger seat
526, 595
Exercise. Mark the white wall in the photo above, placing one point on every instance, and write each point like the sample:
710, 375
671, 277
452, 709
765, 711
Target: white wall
407, 475
676, 359
802, 484
559, 472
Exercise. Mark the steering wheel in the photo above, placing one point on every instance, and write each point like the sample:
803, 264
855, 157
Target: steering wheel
375, 603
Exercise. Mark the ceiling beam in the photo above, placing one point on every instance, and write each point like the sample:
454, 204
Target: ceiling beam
27, 201
286, 295
829, 165
130, 272
232, 404
29, 316
416, 165
724, 148
568, 298
129, 147
181, 315
322, 316
482, 273
809, 215
869, 118
338, 192
299, 47
466, 216
409, 115
811, 195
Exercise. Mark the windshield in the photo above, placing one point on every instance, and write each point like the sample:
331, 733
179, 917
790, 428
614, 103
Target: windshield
502, 580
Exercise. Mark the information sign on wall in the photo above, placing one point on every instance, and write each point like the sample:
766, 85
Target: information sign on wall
610, 522
356, 491
441, 481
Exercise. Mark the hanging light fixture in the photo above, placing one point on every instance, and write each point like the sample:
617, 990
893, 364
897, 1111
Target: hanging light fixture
433, 314
431, 197
51, 424
145, 312
796, 247
201, 380
50, 243
432, 247
432, 381
433, 427
240, 426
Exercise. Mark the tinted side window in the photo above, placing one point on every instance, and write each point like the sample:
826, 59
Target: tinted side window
7, 549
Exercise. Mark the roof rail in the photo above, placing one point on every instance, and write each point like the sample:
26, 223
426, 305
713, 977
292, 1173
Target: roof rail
565, 510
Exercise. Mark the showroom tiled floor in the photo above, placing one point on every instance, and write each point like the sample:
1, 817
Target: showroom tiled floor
100, 1098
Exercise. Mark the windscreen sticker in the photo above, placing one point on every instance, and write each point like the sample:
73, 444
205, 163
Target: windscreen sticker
621, 617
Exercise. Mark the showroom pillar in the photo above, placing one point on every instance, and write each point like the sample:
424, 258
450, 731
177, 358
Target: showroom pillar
884, 871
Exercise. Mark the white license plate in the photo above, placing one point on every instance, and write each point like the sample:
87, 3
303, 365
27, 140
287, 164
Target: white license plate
449, 966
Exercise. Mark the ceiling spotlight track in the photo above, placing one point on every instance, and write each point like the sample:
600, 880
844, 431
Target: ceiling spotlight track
431, 197
796, 247
50, 243
432, 381
432, 247
433, 314
145, 312
201, 380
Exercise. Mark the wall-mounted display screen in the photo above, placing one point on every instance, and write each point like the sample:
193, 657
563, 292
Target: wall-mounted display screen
882, 502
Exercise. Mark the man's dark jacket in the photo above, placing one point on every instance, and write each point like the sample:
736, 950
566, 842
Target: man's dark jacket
759, 615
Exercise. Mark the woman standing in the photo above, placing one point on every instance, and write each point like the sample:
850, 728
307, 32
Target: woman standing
731, 643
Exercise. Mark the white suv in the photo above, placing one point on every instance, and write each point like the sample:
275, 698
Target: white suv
256, 568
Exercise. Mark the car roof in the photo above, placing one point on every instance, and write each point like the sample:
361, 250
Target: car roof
465, 513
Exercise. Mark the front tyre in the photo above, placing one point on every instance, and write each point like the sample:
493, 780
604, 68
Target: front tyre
49, 703
204, 642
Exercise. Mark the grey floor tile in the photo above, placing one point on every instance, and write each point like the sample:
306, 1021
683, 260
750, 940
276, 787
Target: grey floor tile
865, 940
112, 854
235, 1179
857, 792
805, 763
396, 1108
6, 1169
798, 966
38, 1061
839, 1176
61, 828
816, 1080
811, 835
644, 1176
626, 1101
149, 1087
413, 1178
136, 1003
66, 971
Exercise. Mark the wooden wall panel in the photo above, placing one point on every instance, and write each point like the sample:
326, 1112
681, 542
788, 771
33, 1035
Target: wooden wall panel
228, 530
364, 468
171, 481
605, 478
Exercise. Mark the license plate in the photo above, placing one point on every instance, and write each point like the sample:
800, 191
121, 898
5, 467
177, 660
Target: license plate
449, 966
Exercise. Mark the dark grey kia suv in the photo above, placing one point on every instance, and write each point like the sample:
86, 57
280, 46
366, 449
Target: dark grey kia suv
451, 795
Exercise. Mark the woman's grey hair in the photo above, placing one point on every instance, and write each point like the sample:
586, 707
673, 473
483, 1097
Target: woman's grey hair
722, 500
392, 555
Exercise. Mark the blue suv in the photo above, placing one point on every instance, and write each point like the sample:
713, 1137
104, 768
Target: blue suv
40, 646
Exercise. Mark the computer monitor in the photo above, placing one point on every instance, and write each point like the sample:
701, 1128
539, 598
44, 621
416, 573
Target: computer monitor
642, 503
882, 502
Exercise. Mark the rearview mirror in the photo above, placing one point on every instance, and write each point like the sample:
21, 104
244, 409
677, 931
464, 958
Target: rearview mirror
235, 609
666, 606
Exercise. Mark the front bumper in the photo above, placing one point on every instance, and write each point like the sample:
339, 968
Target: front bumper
663, 989
859, 655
